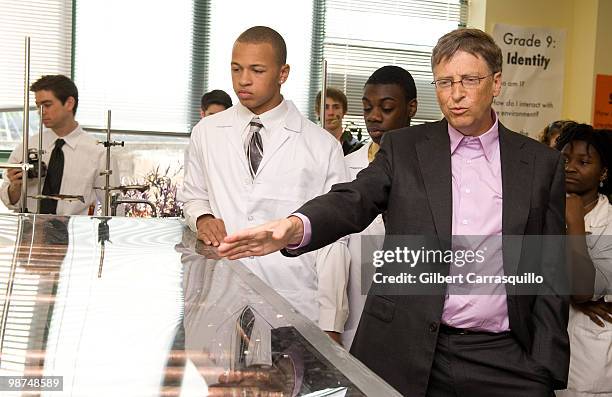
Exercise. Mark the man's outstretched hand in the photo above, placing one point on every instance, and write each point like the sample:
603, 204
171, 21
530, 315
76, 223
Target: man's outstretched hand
264, 239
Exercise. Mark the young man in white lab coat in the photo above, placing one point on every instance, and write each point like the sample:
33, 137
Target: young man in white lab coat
261, 159
389, 103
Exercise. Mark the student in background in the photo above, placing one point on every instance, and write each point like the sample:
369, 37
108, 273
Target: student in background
389, 103
336, 107
588, 154
213, 102
551, 132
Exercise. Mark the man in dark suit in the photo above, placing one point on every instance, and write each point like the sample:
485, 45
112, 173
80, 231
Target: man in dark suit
465, 175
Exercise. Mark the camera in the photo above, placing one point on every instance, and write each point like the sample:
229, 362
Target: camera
33, 159
354, 129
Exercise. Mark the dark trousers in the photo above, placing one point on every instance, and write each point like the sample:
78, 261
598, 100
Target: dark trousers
491, 365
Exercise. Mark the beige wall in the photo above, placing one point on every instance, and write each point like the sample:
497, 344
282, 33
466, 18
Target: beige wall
580, 63
603, 51
588, 44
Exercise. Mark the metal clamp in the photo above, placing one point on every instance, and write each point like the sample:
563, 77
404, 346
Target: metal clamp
116, 201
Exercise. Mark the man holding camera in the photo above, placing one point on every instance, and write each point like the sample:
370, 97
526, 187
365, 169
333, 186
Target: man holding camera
74, 159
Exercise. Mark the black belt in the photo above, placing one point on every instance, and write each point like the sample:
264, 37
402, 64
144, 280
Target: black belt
447, 329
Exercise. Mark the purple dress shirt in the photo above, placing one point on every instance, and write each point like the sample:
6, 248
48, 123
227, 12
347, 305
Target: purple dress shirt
477, 211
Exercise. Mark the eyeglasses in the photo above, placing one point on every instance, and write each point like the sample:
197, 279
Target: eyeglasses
466, 82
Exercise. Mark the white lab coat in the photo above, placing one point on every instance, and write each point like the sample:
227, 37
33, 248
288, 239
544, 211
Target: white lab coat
300, 162
356, 162
590, 371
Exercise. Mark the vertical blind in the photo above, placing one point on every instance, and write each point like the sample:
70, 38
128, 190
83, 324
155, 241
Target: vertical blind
199, 58
363, 35
49, 25
316, 55
136, 58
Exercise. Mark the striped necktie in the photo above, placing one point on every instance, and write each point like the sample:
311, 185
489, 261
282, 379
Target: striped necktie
255, 148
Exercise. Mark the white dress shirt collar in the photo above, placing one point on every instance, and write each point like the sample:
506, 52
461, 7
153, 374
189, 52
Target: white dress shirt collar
269, 119
71, 139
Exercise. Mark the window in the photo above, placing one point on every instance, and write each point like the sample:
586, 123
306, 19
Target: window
151, 70
49, 25
363, 35
136, 58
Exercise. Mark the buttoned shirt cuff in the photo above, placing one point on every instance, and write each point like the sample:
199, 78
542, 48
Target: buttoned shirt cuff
307, 232
192, 211
4, 196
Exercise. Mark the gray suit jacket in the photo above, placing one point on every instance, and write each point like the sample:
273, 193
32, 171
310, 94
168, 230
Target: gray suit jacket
410, 183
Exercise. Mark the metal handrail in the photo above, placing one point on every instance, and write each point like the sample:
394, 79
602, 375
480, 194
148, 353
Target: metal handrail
23, 199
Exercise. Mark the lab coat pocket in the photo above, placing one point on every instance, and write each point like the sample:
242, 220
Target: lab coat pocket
295, 193
287, 199
591, 357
